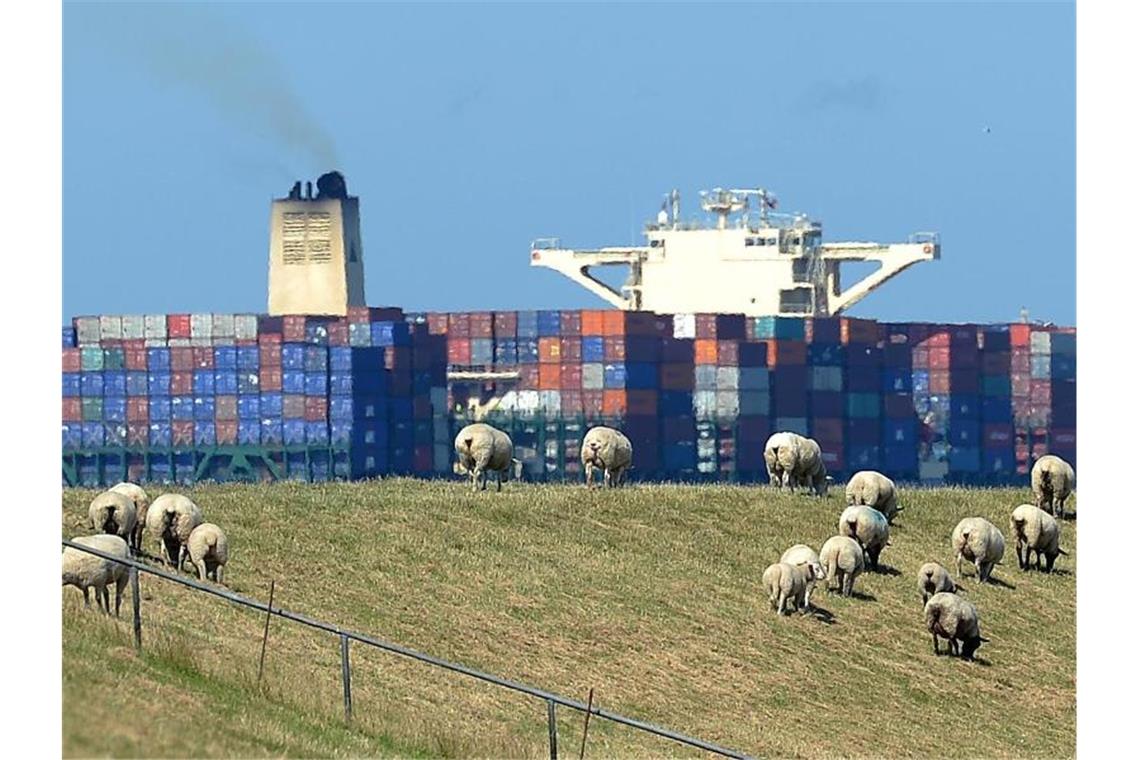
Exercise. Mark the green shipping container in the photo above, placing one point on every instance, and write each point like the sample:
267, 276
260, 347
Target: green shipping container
863, 405
996, 385
92, 409
91, 359
114, 358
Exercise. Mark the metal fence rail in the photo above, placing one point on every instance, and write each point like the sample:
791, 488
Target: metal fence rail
552, 700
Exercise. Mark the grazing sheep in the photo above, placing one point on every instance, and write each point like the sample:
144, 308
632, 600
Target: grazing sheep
1035, 530
802, 556
953, 618
139, 497
874, 489
209, 551
977, 540
610, 451
933, 578
868, 527
112, 513
808, 468
842, 559
482, 449
171, 519
784, 582
85, 571
777, 474
1052, 481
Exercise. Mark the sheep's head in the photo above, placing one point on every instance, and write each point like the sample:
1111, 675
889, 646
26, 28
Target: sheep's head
814, 571
969, 646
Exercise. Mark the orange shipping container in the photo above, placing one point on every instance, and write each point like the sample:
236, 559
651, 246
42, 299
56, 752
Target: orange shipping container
613, 403
571, 377
939, 381
571, 349
705, 351
1019, 335
593, 322
550, 350
864, 331
641, 402
549, 377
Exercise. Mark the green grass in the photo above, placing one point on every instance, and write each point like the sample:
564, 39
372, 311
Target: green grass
650, 595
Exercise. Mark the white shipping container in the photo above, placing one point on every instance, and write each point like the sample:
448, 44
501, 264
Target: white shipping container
245, 326
223, 341
154, 326
704, 376
727, 404
86, 330
528, 401
134, 327
792, 425
156, 343
222, 326
1039, 342
201, 325
550, 402
727, 378
110, 328
178, 342
684, 325
201, 342
593, 376
704, 404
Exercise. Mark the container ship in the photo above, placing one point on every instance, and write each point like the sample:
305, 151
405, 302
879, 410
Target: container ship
724, 331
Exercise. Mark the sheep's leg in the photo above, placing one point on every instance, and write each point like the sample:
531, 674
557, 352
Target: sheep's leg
203, 570
848, 583
954, 647
958, 562
499, 476
103, 599
589, 474
934, 636
1049, 560
86, 598
782, 602
122, 583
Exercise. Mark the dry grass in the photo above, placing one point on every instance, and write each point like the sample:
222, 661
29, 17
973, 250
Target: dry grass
650, 595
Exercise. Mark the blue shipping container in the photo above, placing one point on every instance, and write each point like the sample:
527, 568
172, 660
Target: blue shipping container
965, 459
160, 434
316, 384
203, 382
225, 357
549, 323
248, 383
272, 404
340, 358
640, 375
249, 432
115, 410
93, 435
613, 376
249, 407
71, 384
158, 408
115, 383
317, 433
899, 460
391, 334
293, 432
204, 407
528, 350
205, 434
181, 407
136, 383
248, 357
91, 384
158, 359
896, 380
158, 384
527, 325
72, 436
292, 382
997, 409
292, 356
69, 337
593, 349
316, 359
272, 431
900, 433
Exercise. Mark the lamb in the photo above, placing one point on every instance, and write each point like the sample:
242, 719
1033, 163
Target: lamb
1035, 530
608, 450
977, 540
953, 618
139, 497
933, 578
777, 475
802, 556
868, 527
1052, 482
171, 519
112, 513
85, 571
209, 551
784, 582
843, 560
874, 490
482, 448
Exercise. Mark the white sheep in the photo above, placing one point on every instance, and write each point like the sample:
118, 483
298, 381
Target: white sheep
171, 519
209, 551
482, 449
934, 578
874, 489
784, 582
85, 571
1035, 530
951, 617
112, 513
843, 560
777, 475
802, 555
1052, 481
142, 502
608, 450
868, 527
804, 460
977, 540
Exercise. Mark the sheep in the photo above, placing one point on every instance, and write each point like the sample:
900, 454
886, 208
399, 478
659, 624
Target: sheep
170, 519
777, 475
608, 450
802, 556
933, 578
1052, 482
138, 496
84, 570
1035, 530
482, 448
953, 618
874, 489
843, 560
977, 540
209, 551
868, 527
784, 582
113, 513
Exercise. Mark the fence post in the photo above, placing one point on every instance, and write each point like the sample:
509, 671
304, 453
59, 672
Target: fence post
136, 597
346, 677
553, 726
265, 636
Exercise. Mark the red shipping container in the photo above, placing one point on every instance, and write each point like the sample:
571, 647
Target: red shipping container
177, 325
1020, 360
728, 353
269, 355
677, 376
864, 331
571, 402
138, 434
615, 322
705, 350
898, 406
614, 403
458, 350
1019, 335
72, 361
705, 326
293, 406
570, 322
1038, 450
640, 402
458, 325
316, 409
245, 341
182, 432
203, 357
939, 357
421, 408
225, 408
269, 339
832, 456
827, 430
786, 352
920, 357
422, 461
862, 432
997, 436
400, 357
613, 348
181, 383
528, 377
550, 350
338, 333
72, 410
1040, 392
138, 410
964, 381
481, 324
269, 379
570, 377
136, 358
592, 403
593, 322
549, 377
293, 328
571, 349
437, 323
995, 363
226, 432
1019, 384
937, 336
134, 343
939, 381
358, 315
181, 359
506, 324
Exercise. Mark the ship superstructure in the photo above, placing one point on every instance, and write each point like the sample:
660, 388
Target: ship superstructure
747, 260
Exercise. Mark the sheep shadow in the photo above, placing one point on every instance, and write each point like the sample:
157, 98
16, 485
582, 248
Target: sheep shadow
885, 570
999, 582
855, 594
822, 615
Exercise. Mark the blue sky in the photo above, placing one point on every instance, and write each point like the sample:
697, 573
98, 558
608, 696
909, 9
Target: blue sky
469, 130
